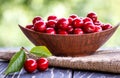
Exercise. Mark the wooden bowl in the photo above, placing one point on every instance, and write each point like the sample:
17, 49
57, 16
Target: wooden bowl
70, 45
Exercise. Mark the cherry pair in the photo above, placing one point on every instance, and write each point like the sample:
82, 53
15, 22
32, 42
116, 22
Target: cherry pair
31, 65
71, 25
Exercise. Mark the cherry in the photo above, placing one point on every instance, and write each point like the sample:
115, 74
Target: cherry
87, 19
88, 27
63, 23
52, 17
73, 16
106, 26
32, 28
98, 29
37, 18
72, 25
51, 23
78, 31
63, 32
40, 26
50, 31
77, 22
29, 26
70, 29
42, 64
30, 65
97, 23
70, 20
93, 16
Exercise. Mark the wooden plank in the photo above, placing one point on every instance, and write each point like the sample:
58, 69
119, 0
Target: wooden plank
61, 73
91, 74
49, 73
56, 73
3, 66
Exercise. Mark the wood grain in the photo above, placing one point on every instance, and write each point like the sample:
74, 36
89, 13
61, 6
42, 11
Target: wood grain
91, 74
49, 73
70, 45
53, 72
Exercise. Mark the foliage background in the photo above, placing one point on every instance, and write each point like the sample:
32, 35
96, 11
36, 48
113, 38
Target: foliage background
14, 12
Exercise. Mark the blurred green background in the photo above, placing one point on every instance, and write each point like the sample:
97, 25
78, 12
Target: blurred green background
14, 12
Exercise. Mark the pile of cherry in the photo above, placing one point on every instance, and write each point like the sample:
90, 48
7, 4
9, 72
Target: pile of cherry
71, 25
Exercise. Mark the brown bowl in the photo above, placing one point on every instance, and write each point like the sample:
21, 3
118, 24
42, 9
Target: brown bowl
70, 45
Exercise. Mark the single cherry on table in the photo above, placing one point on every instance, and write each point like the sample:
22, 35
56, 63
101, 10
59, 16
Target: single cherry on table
42, 64
30, 65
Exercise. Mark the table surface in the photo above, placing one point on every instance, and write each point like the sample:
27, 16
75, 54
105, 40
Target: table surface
56, 72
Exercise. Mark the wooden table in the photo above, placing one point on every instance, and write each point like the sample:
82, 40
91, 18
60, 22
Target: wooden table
55, 72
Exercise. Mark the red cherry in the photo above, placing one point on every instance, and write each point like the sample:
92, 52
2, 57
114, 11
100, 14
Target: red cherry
63, 32
30, 65
50, 31
62, 23
106, 26
29, 26
88, 27
51, 23
78, 31
42, 64
70, 29
97, 23
32, 28
93, 16
70, 20
87, 19
52, 17
98, 29
37, 18
40, 26
77, 22
73, 16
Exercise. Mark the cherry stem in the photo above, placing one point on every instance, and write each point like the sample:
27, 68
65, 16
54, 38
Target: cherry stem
29, 54
26, 52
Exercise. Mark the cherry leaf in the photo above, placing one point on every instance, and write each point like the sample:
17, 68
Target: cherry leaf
41, 51
16, 62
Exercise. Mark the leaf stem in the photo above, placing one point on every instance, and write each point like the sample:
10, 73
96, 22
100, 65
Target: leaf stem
26, 52
29, 54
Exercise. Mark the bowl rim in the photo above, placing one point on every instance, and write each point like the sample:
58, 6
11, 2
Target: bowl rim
68, 34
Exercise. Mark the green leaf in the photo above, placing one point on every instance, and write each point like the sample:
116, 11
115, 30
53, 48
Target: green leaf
16, 62
41, 51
